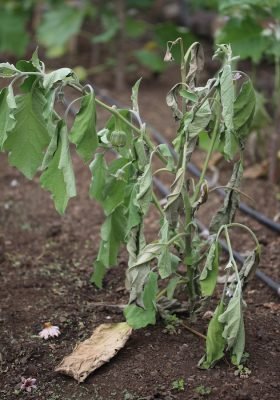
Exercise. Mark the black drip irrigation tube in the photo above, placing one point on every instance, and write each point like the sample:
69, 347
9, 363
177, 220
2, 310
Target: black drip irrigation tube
275, 286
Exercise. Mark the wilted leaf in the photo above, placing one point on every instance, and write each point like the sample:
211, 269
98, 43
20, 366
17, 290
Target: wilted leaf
138, 317
105, 342
250, 265
174, 200
215, 342
98, 169
232, 319
134, 96
59, 177
244, 110
226, 213
196, 64
208, 277
28, 139
83, 132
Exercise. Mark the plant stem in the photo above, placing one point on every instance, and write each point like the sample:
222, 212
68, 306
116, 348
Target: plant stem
236, 224
193, 331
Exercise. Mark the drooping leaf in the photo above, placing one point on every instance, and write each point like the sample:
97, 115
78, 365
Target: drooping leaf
244, 110
138, 317
227, 100
59, 177
199, 122
134, 217
225, 215
98, 169
164, 259
250, 265
83, 132
209, 274
112, 235
232, 319
196, 64
55, 76
145, 181
150, 251
172, 101
174, 199
7, 120
29, 138
215, 342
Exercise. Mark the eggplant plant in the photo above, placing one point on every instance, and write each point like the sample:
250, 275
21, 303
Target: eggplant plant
37, 136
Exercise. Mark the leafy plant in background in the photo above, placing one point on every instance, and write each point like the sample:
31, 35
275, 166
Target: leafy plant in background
36, 138
253, 29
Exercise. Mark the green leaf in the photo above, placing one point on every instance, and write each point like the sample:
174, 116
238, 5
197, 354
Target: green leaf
14, 36
232, 319
245, 37
112, 235
215, 342
225, 215
134, 217
138, 317
7, 120
145, 182
209, 274
83, 132
244, 110
98, 169
59, 25
111, 25
56, 76
150, 251
29, 138
164, 259
135, 28
7, 70
59, 178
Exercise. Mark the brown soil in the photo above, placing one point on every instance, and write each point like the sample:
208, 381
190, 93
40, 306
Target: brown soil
46, 262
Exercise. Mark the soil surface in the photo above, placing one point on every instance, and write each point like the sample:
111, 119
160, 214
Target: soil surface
45, 266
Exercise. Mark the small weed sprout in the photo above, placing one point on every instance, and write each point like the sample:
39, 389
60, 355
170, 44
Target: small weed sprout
178, 385
203, 390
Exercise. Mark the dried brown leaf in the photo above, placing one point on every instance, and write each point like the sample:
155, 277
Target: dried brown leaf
105, 342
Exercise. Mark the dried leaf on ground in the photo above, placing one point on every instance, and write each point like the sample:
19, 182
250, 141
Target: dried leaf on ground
256, 171
105, 342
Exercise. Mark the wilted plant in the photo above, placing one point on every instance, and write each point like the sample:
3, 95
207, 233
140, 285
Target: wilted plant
37, 139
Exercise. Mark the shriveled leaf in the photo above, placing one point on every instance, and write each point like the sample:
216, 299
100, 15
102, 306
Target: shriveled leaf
83, 132
172, 101
226, 213
232, 319
227, 100
209, 274
134, 217
196, 64
244, 110
55, 76
145, 182
7, 120
105, 342
151, 251
215, 342
7, 70
138, 317
250, 265
134, 96
28, 139
59, 177
174, 200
